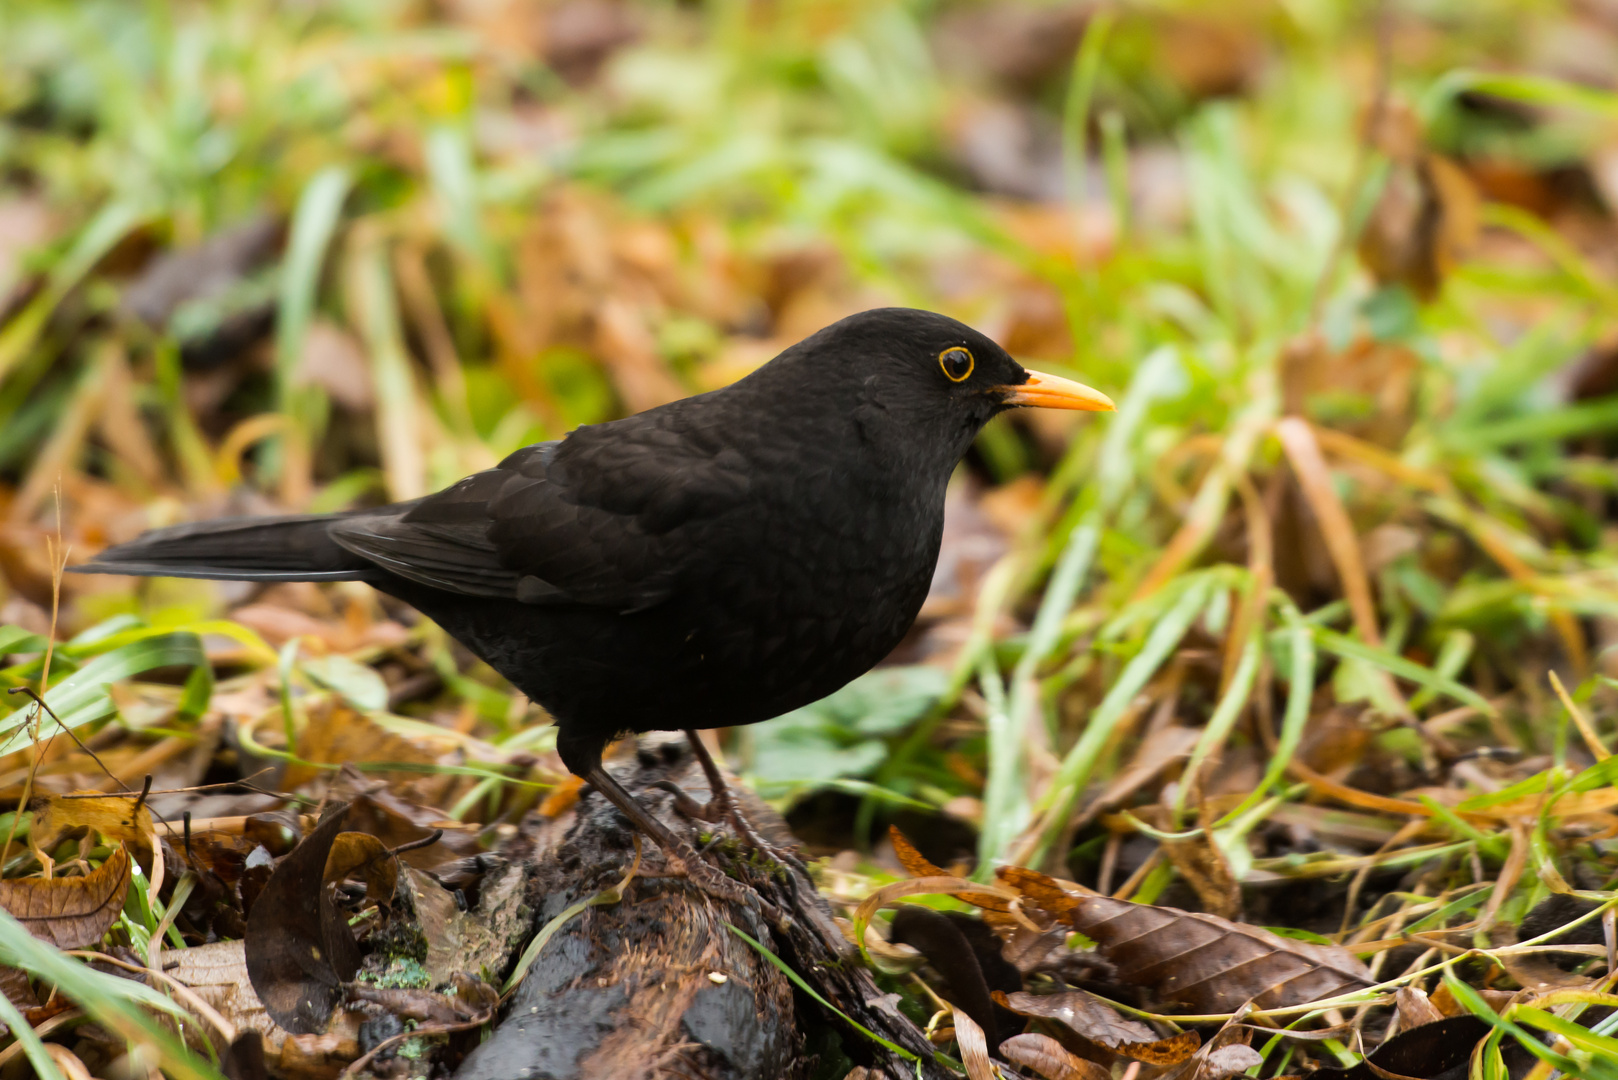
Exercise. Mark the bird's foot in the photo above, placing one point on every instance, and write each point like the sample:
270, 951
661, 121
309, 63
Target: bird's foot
723, 806
684, 862
686, 806
725, 809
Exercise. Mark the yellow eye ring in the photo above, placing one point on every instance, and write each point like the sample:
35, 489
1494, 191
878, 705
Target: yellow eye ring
957, 363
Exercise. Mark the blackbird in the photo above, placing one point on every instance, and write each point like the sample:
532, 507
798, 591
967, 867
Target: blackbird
716, 561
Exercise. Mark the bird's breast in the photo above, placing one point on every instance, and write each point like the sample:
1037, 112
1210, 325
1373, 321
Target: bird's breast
812, 591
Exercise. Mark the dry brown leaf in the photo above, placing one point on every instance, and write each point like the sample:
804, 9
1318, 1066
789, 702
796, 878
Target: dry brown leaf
1427, 215
299, 947
66, 1060
1217, 1062
1050, 1058
1096, 1021
342, 735
1159, 750
17, 987
362, 853
1366, 389
1045, 892
70, 912
951, 886
1212, 965
397, 822
116, 817
1204, 866
918, 865
1425, 221
974, 1046
1415, 1009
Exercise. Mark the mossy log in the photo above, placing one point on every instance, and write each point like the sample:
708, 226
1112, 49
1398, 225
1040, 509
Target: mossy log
660, 984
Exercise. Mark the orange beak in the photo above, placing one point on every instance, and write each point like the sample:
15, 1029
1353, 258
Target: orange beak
1043, 391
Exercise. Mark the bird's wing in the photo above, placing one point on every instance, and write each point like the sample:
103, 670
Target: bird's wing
605, 518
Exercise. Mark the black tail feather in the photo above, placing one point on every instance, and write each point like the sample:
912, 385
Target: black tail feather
293, 548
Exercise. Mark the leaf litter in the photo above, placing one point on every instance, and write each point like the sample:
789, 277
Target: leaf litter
1283, 698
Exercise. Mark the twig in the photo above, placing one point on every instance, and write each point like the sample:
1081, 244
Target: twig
174, 791
430, 1029
425, 841
40, 702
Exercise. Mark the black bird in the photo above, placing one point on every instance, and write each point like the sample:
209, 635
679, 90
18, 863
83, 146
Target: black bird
712, 562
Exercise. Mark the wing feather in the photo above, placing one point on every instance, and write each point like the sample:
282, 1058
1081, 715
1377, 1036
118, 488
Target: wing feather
609, 516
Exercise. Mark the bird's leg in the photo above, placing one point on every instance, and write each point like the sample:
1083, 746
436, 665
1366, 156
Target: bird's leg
683, 860
723, 804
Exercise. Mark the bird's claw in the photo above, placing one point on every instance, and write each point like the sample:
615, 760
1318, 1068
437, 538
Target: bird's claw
685, 862
686, 806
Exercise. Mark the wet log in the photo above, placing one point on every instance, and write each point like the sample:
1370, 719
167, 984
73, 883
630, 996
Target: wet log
660, 984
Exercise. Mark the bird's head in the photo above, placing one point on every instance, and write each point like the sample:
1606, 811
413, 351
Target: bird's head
926, 375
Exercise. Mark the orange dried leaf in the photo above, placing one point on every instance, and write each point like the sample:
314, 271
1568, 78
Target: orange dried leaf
1041, 890
363, 854
1095, 1020
116, 817
915, 863
918, 865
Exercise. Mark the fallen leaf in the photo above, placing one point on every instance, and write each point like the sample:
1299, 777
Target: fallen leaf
918, 865
1050, 1058
1096, 1021
115, 817
299, 948
974, 1046
1427, 215
1046, 892
362, 853
344, 735
942, 942
397, 822
409, 1003
1217, 1062
1205, 869
70, 912
1209, 964
17, 987
1415, 1009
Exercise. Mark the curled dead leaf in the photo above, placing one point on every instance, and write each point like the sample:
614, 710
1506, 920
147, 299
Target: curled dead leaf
1096, 1021
974, 1046
1415, 1009
943, 941
115, 817
70, 912
363, 854
918, 865
1043, 891
1050, 1058
299, 948
1217, 1062
897, 890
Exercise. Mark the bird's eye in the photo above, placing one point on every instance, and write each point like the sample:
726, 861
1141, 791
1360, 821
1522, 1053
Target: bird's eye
956, 362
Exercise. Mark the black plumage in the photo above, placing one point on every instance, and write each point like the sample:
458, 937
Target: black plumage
716, 561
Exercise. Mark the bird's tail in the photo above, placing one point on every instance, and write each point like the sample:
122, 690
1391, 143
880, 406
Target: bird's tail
293, 548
